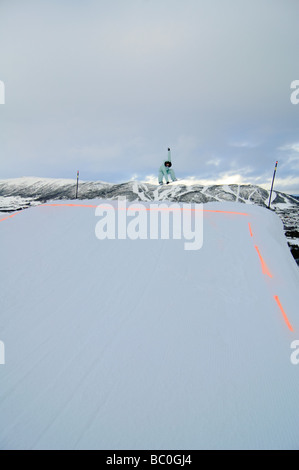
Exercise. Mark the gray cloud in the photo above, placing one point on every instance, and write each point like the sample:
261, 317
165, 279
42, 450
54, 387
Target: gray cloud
106, 86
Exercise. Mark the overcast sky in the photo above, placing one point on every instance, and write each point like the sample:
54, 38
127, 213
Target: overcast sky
105, 86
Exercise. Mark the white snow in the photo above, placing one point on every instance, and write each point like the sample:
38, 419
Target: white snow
122, 344
282, 205
293, 241
15, 202
136, 187
25, 181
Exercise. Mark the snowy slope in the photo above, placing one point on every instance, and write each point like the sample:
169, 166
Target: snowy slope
122, 344
20, 193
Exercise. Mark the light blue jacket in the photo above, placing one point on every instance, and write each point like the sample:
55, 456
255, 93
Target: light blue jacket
165, 171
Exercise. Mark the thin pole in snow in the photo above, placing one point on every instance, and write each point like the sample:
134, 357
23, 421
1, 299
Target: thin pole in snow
274, 174
77, 187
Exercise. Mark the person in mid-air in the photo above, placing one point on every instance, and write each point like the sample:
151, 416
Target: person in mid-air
166, 170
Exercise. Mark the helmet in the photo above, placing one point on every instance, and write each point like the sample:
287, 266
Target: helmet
168, 164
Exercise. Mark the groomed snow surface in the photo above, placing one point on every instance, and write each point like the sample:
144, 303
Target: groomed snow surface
139, 344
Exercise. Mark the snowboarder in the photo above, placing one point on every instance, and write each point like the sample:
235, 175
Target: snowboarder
166, 170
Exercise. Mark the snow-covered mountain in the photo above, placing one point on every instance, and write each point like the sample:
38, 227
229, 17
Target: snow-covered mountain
16, 194
140, 344
35, 190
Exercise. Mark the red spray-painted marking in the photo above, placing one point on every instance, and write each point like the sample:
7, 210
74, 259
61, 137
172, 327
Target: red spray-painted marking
264, 266
283, 313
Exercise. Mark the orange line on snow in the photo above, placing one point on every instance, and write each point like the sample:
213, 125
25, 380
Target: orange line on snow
130, 208
8, 217
283, 313
250, 229
226, 212
264, 266
145, 208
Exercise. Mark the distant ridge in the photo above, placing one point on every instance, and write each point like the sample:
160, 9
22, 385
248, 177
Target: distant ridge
32, 191
21, 193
